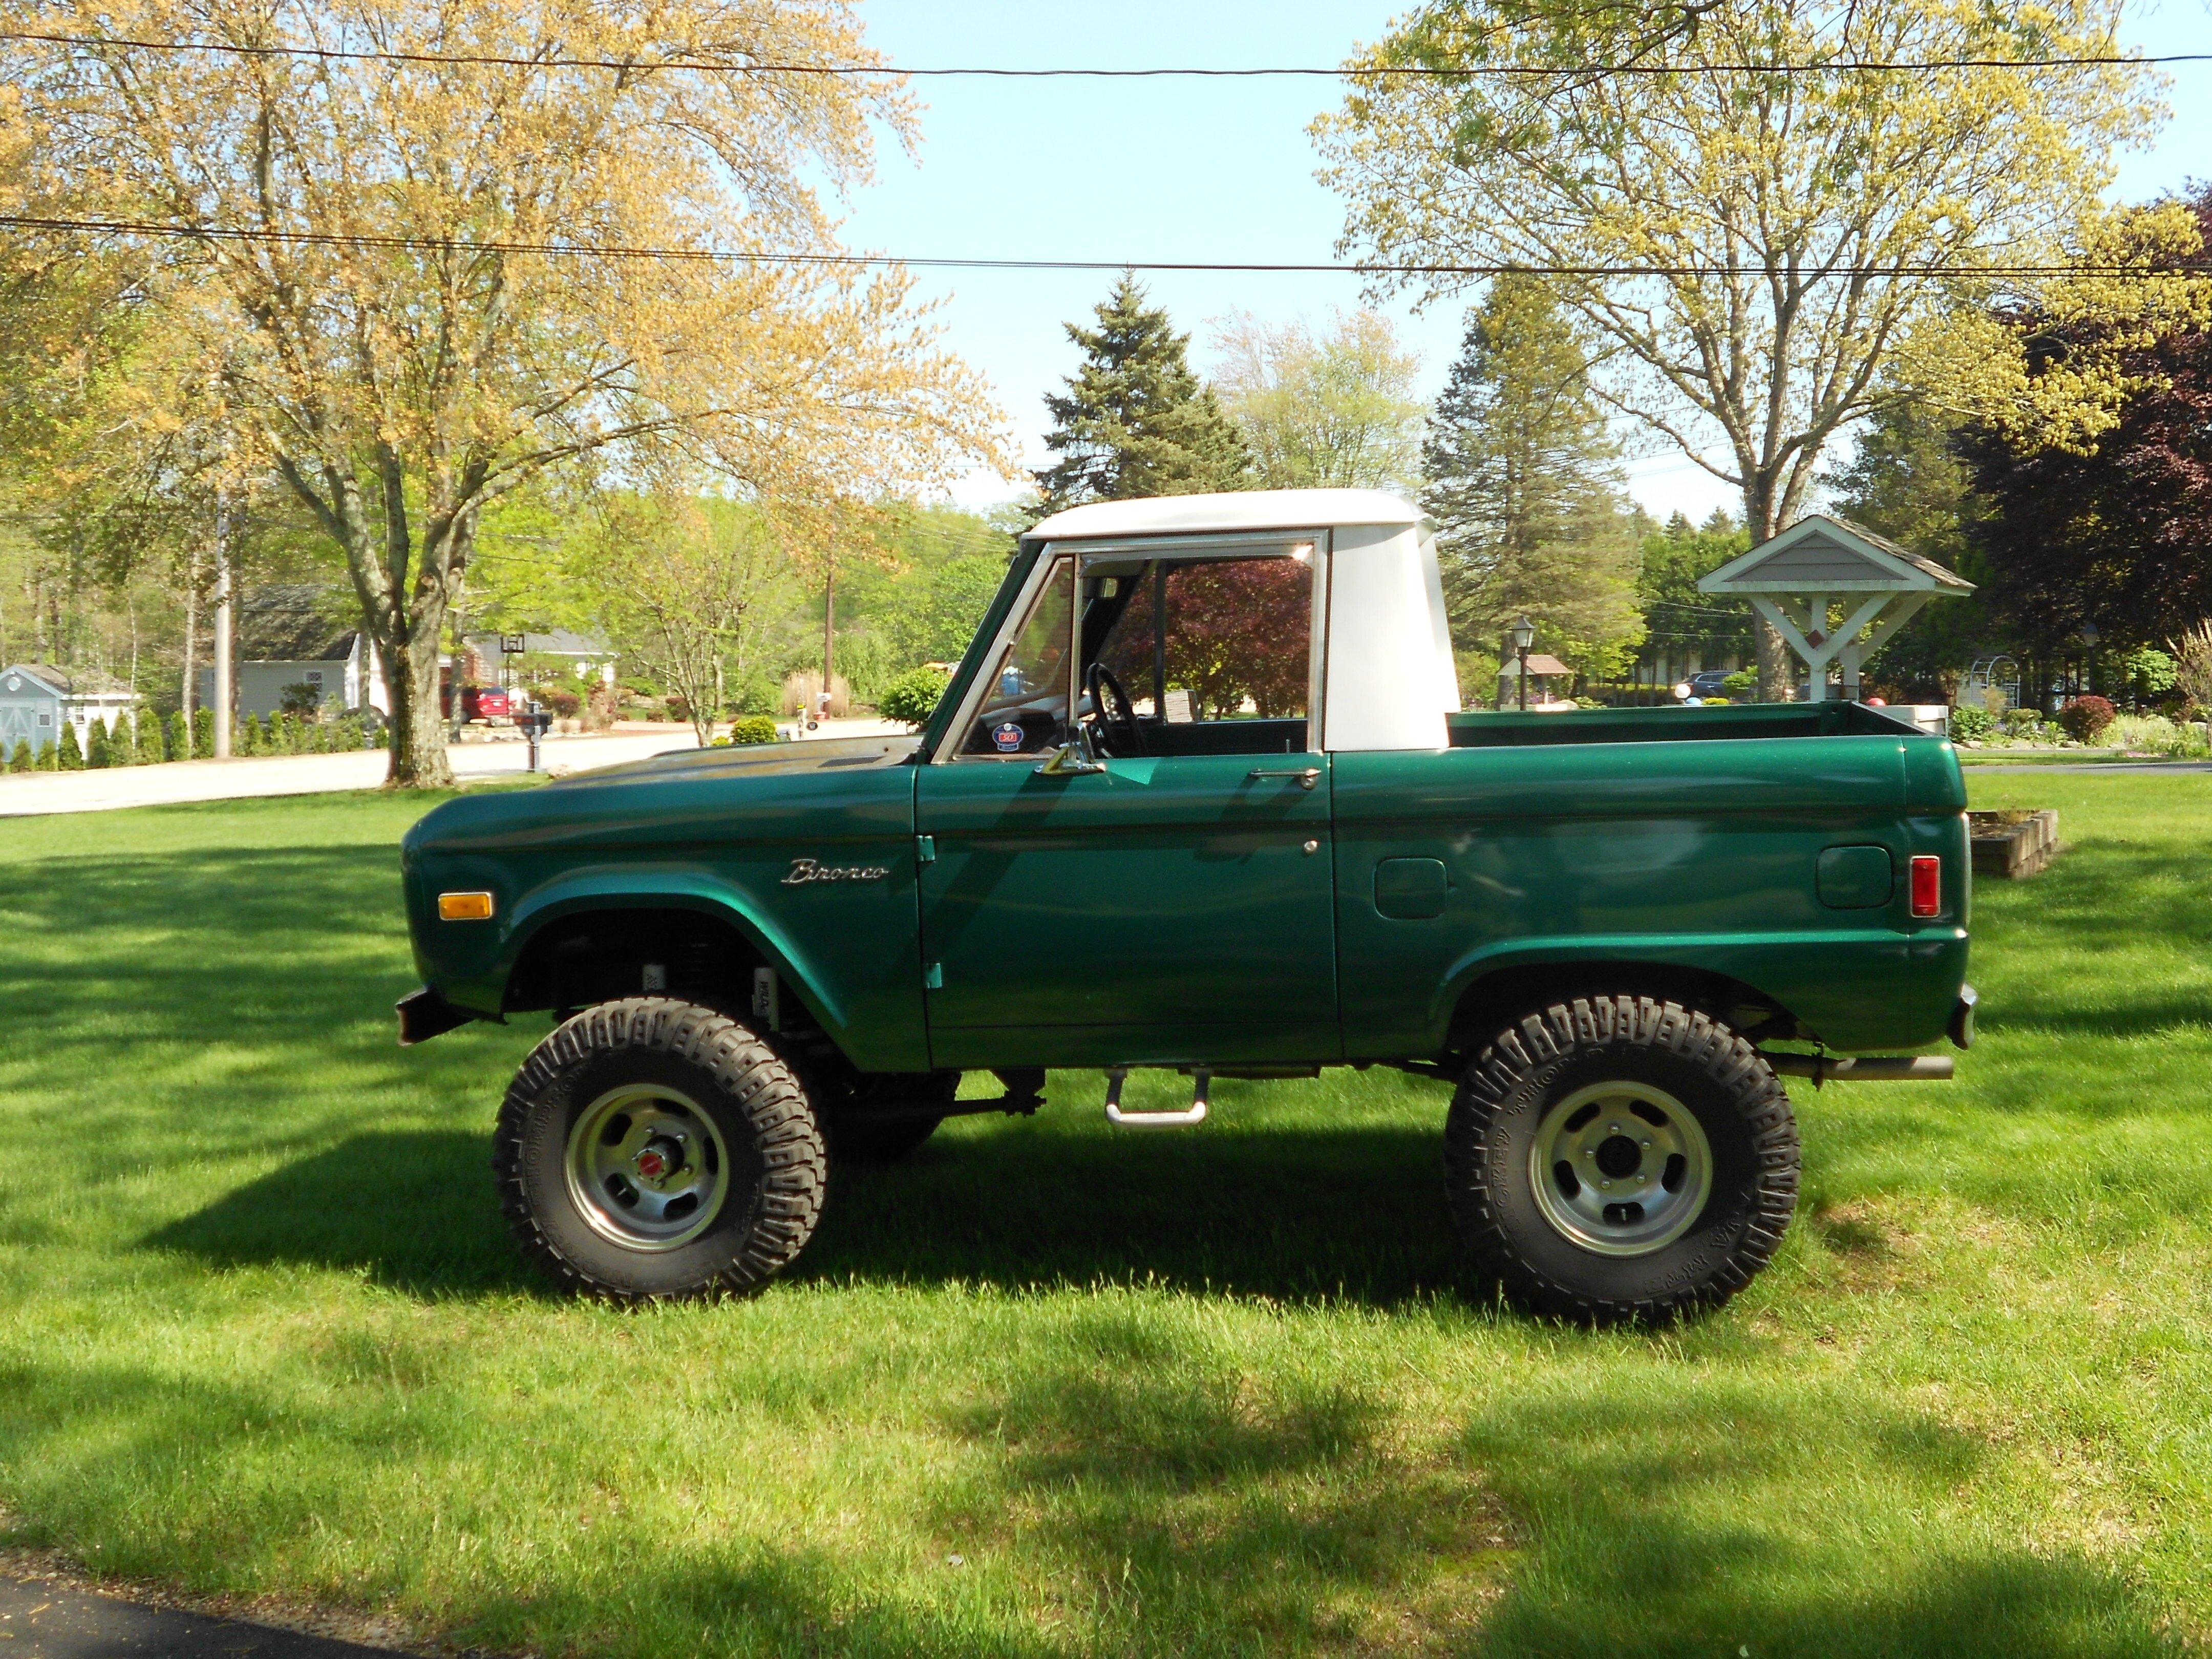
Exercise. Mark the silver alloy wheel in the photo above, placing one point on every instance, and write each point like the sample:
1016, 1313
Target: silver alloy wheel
1621, 1169
646, 1167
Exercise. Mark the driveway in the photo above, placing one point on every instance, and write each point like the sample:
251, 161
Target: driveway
25, 795
43, 1616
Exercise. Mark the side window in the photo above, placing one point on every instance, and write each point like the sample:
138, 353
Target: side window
1024, 709
1215, 653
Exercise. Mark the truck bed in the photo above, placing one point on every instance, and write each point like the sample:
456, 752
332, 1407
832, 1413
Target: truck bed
1509, 728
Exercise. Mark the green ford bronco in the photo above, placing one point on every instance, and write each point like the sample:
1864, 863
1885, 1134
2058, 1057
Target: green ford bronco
1202, 796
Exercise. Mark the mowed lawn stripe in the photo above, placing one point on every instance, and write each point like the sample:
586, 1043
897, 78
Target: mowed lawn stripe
1049, 1390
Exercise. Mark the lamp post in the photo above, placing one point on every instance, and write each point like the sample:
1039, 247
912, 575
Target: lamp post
2089, 676
1524, 635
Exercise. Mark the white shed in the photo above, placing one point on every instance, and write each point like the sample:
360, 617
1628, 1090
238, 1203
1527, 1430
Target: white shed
36, 699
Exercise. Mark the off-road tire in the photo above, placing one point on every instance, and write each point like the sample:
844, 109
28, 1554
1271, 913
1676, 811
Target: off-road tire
857, 1135
1570, 1046
777, 1174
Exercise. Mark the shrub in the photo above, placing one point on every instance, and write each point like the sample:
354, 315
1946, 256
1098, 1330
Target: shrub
22, 760
564, 704
1714, 702
97, 749
756, 693
181, 737
1971, 724
1742, 682
913, 696
679, 709
2086, 718
754, 728
245, 739
70, 753
202, 732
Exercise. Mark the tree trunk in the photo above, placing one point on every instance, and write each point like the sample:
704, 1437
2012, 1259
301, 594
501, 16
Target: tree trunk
226, 635
1778, 669
417, 729
188, 693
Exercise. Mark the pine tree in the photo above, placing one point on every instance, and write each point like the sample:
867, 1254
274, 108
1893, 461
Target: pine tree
151, 750
203, 733
22, 760
180, 736
96, 746
1522, 485
70, 753
1136, 420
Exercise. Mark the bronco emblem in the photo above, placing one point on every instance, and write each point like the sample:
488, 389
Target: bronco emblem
806, 870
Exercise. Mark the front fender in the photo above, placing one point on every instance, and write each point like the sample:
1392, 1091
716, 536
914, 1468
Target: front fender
474, 973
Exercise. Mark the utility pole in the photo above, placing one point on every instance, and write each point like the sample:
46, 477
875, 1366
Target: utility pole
226, 630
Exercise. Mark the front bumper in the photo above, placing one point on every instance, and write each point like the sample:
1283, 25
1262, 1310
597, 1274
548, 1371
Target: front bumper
424, 1014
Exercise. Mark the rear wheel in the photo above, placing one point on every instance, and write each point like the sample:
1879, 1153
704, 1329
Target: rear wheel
1617, 1158
652, 1148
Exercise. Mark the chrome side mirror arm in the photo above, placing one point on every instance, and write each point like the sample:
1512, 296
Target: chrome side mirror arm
1071, 759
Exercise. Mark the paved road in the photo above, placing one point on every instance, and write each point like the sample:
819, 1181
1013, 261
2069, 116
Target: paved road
43, 1618
37, 792
1975, 767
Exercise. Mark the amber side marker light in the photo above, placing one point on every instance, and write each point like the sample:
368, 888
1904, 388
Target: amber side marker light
1927, 887
477, 907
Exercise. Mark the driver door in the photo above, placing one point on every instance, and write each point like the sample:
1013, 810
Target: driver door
1173, 902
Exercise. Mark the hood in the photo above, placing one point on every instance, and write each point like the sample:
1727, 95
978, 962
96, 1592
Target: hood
747, 760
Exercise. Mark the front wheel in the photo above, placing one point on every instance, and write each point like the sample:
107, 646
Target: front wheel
1617, 1158
651, 1148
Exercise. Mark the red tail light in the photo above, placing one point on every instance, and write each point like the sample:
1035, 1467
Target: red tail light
1927, 887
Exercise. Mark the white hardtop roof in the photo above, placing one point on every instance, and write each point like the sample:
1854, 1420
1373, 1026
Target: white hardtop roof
1227, 513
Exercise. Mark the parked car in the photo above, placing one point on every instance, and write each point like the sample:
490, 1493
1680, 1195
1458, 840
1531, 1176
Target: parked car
1200, 797
478, 703
1709, 683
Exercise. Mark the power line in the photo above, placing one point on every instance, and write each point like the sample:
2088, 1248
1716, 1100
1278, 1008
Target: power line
1390, 71
863, 261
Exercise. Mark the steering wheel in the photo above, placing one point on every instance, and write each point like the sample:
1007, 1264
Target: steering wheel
1123, 733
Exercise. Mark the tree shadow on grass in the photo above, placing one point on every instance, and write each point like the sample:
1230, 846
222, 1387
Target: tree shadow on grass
413, 1209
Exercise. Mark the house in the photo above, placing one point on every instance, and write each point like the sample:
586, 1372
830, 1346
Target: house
37, 698
287, 635
588, 657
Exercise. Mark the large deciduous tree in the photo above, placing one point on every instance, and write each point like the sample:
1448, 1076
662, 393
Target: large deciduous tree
2116, 531
1743, 227
1135, 419
1334, 411
1523, 488
420, 276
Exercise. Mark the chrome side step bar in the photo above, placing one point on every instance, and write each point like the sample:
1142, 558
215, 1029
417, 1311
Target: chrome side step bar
1863, 1069
1193, 1115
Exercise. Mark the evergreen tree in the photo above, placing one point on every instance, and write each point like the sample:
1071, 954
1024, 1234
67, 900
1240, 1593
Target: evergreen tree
1906, 481
1136, 420
22, 760
69, 754
203, 733
1685, 622
96, 745
181, 737
151, 750
1523, 487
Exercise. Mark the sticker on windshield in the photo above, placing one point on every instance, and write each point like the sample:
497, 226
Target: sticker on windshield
1008, 736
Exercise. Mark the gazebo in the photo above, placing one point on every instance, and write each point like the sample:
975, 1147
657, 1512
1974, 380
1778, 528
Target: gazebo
1793, 578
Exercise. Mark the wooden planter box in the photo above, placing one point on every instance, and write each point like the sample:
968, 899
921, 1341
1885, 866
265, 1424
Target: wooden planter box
2013, 844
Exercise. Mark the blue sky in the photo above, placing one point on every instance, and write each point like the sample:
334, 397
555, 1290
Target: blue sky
1205, 170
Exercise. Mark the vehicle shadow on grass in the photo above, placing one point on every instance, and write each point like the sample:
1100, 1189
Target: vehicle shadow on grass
1288, 1214
1293, 1214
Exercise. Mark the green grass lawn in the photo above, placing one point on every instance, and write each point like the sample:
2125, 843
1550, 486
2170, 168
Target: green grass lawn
1048, 1390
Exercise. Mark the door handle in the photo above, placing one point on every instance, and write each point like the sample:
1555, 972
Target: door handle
1307, 776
